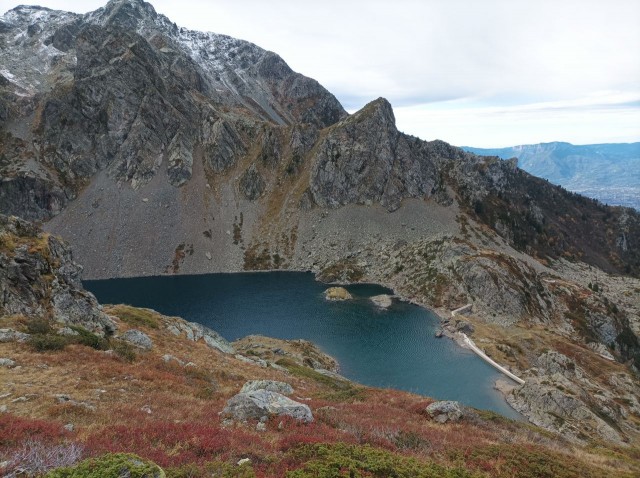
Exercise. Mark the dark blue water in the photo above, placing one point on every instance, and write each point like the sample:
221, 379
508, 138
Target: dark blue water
393, 348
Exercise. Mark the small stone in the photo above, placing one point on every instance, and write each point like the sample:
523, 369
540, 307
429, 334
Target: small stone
3, 409
243, 461
68, 332
69, 427
146, 409
261, 427
208, 255
145, 199
20, 400
137, 338
7, 362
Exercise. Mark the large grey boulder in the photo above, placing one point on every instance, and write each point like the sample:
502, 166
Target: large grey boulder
259, 403
445, 411
269, 385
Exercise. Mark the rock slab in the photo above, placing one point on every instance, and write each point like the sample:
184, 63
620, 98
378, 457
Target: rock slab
259, 403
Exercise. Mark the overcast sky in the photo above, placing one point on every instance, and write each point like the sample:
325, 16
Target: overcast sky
485, 73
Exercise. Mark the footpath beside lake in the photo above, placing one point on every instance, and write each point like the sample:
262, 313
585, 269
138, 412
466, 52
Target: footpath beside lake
393, 347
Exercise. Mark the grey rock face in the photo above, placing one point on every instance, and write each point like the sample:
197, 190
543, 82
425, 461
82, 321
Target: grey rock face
39, 278
259, 403
252, 184
445, 411
137, 338
269, 385
554, 409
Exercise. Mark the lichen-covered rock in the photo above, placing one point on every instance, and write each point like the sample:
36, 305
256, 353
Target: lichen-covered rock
259, 403
137, 338
269, 385
445, 411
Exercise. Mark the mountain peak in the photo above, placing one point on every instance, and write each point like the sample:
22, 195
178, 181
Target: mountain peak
379, 108
124, 13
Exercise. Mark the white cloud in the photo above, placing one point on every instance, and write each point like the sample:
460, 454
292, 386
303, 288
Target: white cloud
490, 53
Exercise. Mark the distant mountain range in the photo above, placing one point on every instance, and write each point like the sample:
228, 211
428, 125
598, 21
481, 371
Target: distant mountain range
609, 173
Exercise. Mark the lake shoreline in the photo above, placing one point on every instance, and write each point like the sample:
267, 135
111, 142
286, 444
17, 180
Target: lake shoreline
260, 289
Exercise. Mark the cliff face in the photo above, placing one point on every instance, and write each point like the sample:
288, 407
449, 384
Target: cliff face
38, 278
154, 149
124, 90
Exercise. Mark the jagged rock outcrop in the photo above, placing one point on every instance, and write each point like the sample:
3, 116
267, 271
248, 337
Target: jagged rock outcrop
195, 332
364, 159
38, 278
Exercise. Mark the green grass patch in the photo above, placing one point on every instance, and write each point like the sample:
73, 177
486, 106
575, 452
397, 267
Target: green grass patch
136, 317
214, 469
114, 465
340, 390
353, 461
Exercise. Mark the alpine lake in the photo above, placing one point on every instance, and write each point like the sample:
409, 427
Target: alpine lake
388, 348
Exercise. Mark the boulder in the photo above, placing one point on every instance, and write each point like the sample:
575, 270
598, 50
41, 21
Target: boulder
10, 335
137, 338
383, 300
259, 403
7, 362
445, 411
337, 293
269, 385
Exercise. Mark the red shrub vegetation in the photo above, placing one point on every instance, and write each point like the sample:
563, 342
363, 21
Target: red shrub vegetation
175, 444
14, 431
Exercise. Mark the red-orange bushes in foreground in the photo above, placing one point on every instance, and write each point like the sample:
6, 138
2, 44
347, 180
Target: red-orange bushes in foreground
175, 444
14, 431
